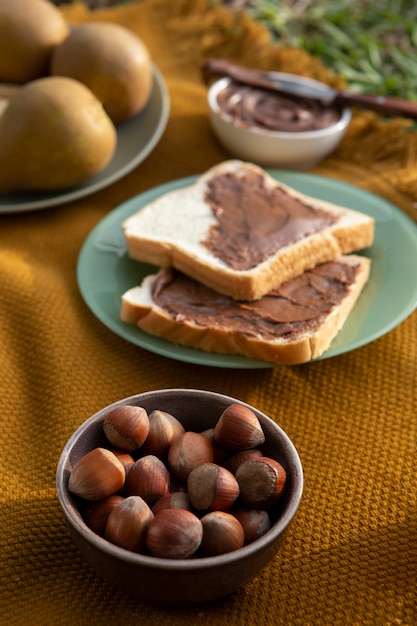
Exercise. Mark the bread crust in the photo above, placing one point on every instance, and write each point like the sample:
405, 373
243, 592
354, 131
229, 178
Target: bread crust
158, 235
138, 308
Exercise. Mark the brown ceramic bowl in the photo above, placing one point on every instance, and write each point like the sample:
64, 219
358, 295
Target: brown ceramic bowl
196, 580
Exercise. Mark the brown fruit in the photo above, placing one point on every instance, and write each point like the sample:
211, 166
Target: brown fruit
222, 533
164, 428
173, 500
126, 427
174, 534
96, 513
54, 135
112, 61
29, 31
220, 454
128, 523
261, 481
187, 452
125, 459
148, 478
255, 522
212, 487
96, 475
238, 428
233, 461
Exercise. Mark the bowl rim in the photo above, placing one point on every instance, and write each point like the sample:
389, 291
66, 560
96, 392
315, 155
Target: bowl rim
340, 125
74, 518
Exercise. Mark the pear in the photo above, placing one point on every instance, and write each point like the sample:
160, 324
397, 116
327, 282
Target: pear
112, 61
54, 135
29, 30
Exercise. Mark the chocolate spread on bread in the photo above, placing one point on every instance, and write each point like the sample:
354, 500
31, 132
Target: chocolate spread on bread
254, 106
254, 221
297, 306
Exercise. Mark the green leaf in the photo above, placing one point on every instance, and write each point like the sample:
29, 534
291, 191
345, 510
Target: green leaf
373, 45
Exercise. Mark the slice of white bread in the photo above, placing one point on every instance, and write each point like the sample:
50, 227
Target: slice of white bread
278, 228
307, 312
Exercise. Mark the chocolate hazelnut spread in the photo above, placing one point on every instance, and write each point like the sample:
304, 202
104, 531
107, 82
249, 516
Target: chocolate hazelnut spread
254, 222
295, 307
253, 106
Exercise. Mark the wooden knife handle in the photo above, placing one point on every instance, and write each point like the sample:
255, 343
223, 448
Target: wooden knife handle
384, 105
213, 67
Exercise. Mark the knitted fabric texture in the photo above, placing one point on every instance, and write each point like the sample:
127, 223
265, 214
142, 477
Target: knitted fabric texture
350, 556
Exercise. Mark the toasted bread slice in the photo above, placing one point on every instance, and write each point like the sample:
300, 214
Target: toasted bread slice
240, 232
292, 324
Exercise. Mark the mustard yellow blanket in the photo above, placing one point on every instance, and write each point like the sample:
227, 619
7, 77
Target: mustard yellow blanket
351, 555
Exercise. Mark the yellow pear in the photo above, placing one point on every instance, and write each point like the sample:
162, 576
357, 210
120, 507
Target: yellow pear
112, 61
54, 135
29, 30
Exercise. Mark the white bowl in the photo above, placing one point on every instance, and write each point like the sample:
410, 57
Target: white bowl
270, 148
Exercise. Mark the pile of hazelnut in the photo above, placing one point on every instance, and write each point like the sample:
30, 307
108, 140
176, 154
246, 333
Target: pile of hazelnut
167, 492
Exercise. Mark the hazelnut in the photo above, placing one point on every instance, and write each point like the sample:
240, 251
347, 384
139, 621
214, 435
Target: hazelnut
238, 428
125, 459
96, 513
126, 427
174, 534
211, 487
97, 474
233, 462
255, 522
220, 454
128, 522
187, 452
174, 500
164, 428
261, 481
149, 478
222, 484
222, 533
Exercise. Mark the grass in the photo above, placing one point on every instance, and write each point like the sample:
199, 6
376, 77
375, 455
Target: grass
372, 44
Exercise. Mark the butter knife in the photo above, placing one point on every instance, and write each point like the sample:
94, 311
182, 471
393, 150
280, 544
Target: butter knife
384, 105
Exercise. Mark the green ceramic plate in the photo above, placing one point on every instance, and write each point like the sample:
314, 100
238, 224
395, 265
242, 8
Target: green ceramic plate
136, 139
105, 272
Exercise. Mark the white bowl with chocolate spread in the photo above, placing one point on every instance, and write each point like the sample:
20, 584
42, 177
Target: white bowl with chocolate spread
273, 129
